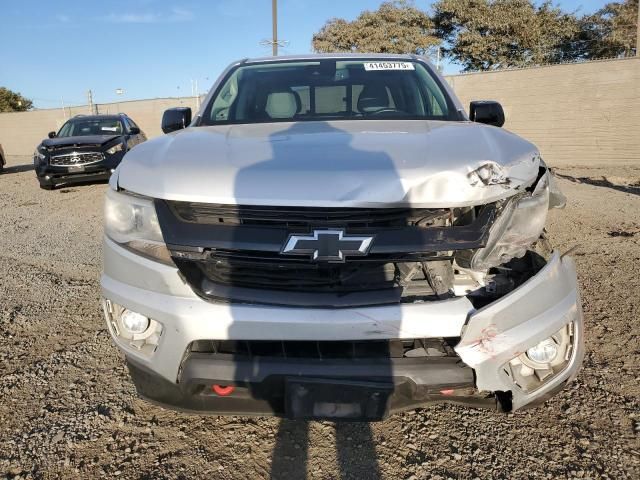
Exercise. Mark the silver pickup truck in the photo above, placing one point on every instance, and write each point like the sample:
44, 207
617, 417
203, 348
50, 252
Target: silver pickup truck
334, 237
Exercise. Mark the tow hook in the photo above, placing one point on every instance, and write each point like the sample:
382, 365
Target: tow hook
223, 390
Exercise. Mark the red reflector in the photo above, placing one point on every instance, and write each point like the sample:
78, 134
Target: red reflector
447, 392
223, 390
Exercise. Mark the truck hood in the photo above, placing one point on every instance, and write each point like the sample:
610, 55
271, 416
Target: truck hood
354, 163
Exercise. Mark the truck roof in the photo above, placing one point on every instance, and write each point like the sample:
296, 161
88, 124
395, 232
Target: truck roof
317, 56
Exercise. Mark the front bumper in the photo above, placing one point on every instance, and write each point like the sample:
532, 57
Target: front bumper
261, 388
489, 338
53, 175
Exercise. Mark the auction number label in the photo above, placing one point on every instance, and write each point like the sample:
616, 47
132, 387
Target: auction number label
370, 66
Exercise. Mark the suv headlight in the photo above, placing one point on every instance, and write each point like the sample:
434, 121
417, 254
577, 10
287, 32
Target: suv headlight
517, 227
115, 149
131, 221
40, 153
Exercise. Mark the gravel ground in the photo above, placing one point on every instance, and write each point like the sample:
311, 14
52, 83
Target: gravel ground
68, 409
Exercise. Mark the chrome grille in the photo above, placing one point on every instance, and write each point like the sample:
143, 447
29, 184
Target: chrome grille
77, 158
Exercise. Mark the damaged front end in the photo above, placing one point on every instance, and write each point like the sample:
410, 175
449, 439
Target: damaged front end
515, 247
490, 254
466, 304
529, 344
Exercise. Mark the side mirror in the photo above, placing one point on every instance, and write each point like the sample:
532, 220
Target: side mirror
486, 111
51, 135
134, 131
176, 119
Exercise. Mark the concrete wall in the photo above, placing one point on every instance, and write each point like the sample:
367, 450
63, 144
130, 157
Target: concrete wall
578, 114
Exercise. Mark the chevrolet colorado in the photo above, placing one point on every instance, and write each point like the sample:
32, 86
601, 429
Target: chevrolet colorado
333, 237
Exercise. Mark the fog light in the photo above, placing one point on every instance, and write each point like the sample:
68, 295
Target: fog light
132, 329
134, 322
542, 362
544, 352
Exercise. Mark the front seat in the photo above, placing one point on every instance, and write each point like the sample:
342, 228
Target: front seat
283, 104
373, 97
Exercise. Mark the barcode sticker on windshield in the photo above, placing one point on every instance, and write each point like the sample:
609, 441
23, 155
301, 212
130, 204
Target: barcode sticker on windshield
109, 129
370, 66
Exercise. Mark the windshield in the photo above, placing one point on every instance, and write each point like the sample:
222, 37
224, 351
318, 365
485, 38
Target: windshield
328, 90
91, 126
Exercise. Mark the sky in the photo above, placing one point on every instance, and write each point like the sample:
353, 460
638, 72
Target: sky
54, 51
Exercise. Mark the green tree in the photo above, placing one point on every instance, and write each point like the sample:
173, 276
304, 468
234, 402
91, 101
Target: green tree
610, 32
490, 34
13, 101
396, 27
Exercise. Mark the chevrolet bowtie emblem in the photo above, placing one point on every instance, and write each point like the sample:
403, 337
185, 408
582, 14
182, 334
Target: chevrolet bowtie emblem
327, 245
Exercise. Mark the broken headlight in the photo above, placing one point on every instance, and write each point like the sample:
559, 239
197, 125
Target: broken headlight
519, 225
131, 221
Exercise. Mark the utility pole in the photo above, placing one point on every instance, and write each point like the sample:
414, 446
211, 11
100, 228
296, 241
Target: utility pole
638, 34
64, 112
274, 42
274, 20
90, 101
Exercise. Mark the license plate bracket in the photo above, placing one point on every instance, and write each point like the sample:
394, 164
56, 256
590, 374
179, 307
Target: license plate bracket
333, 399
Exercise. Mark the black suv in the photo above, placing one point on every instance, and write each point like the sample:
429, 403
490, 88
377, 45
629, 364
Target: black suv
86, 148
2, 160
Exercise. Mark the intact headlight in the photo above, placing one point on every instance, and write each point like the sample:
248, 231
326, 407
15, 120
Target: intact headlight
131, 221
115, 149
518, 226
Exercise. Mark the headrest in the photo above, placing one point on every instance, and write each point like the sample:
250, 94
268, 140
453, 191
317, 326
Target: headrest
283, 104
373, 97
